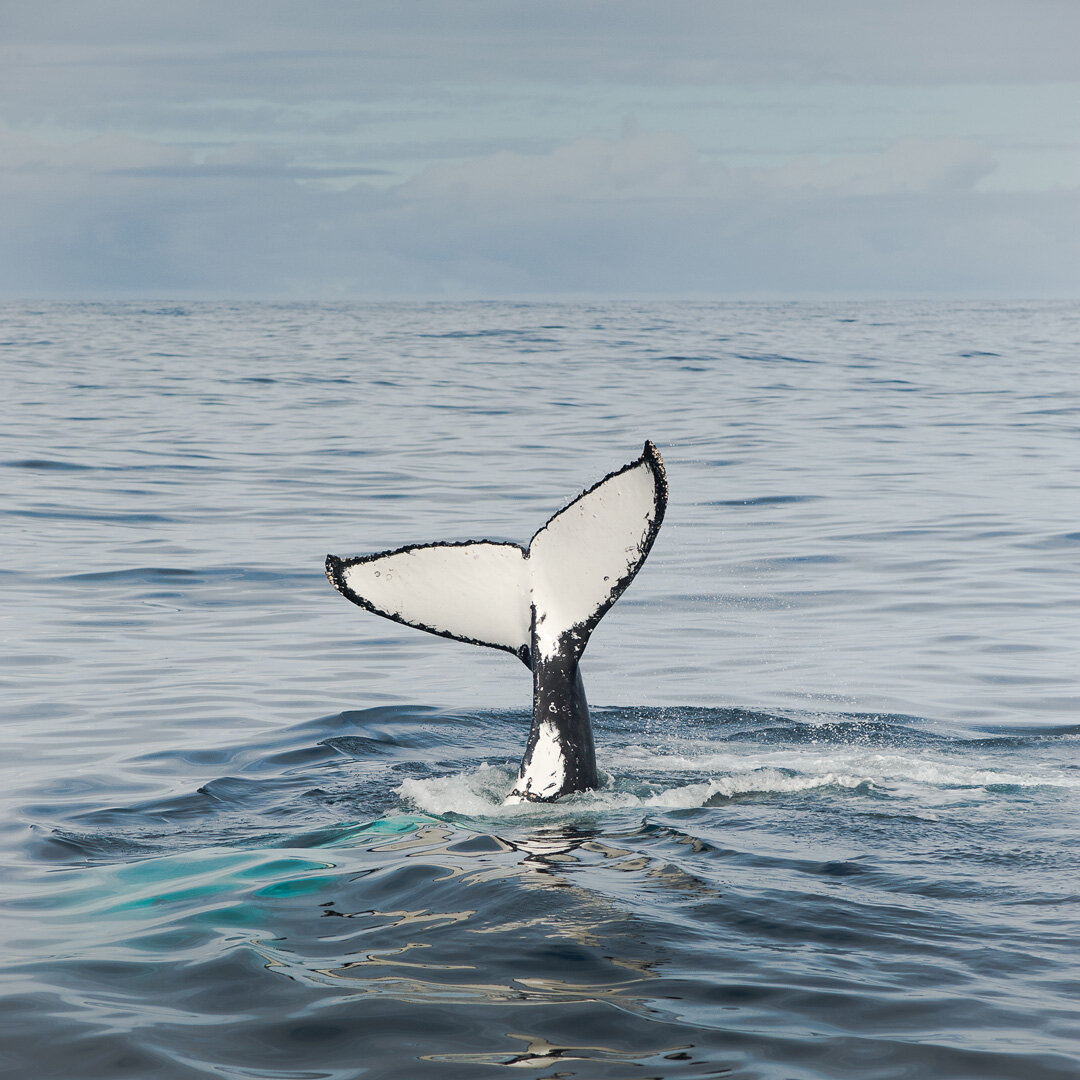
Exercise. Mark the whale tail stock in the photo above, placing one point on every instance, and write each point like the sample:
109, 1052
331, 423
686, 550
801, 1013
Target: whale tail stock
540, 602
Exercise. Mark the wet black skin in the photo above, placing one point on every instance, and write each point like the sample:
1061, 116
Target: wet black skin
558, 693
559, 698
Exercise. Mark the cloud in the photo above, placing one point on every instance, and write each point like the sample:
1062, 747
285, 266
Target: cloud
333, 48
664, 165
943, 241
27, 160
210, 148
911, 165
645, 214
23, 153
642, 166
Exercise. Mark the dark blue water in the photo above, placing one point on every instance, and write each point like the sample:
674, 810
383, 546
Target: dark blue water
249, 831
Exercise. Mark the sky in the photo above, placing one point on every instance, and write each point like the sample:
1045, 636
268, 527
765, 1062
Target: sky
383, 149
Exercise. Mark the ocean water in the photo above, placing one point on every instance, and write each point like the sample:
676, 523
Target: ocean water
250, 831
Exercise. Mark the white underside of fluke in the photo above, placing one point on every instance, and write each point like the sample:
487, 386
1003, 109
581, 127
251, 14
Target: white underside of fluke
581, 558
488, 593
477, 592
547, 769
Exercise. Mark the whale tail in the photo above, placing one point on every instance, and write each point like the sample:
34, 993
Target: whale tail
539, 601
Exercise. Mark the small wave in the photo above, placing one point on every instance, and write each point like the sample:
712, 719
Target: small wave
763, 500
480, 792
875, 767
64, 514
691, 776
712, 792
775, 358
493, 332
135, 573
48, 464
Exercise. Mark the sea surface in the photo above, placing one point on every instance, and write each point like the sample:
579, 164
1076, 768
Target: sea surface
248, 830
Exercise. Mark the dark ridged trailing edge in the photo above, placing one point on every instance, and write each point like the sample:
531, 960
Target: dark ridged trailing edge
336, 567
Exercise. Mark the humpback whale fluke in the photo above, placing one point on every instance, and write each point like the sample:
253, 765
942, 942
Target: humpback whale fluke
540, 602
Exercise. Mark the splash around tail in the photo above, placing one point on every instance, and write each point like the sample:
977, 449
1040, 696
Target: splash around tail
540, 602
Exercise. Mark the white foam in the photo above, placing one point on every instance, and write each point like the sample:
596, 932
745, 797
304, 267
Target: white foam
878, 767
931, 778
480, 792
477, 793
759, 781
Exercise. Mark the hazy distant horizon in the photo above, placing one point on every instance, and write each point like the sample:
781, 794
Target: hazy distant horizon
553, 299
432, 151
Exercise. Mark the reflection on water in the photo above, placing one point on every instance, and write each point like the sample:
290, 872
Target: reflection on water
382, 952
247, 833
677, 942
539, 1054
562, 916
